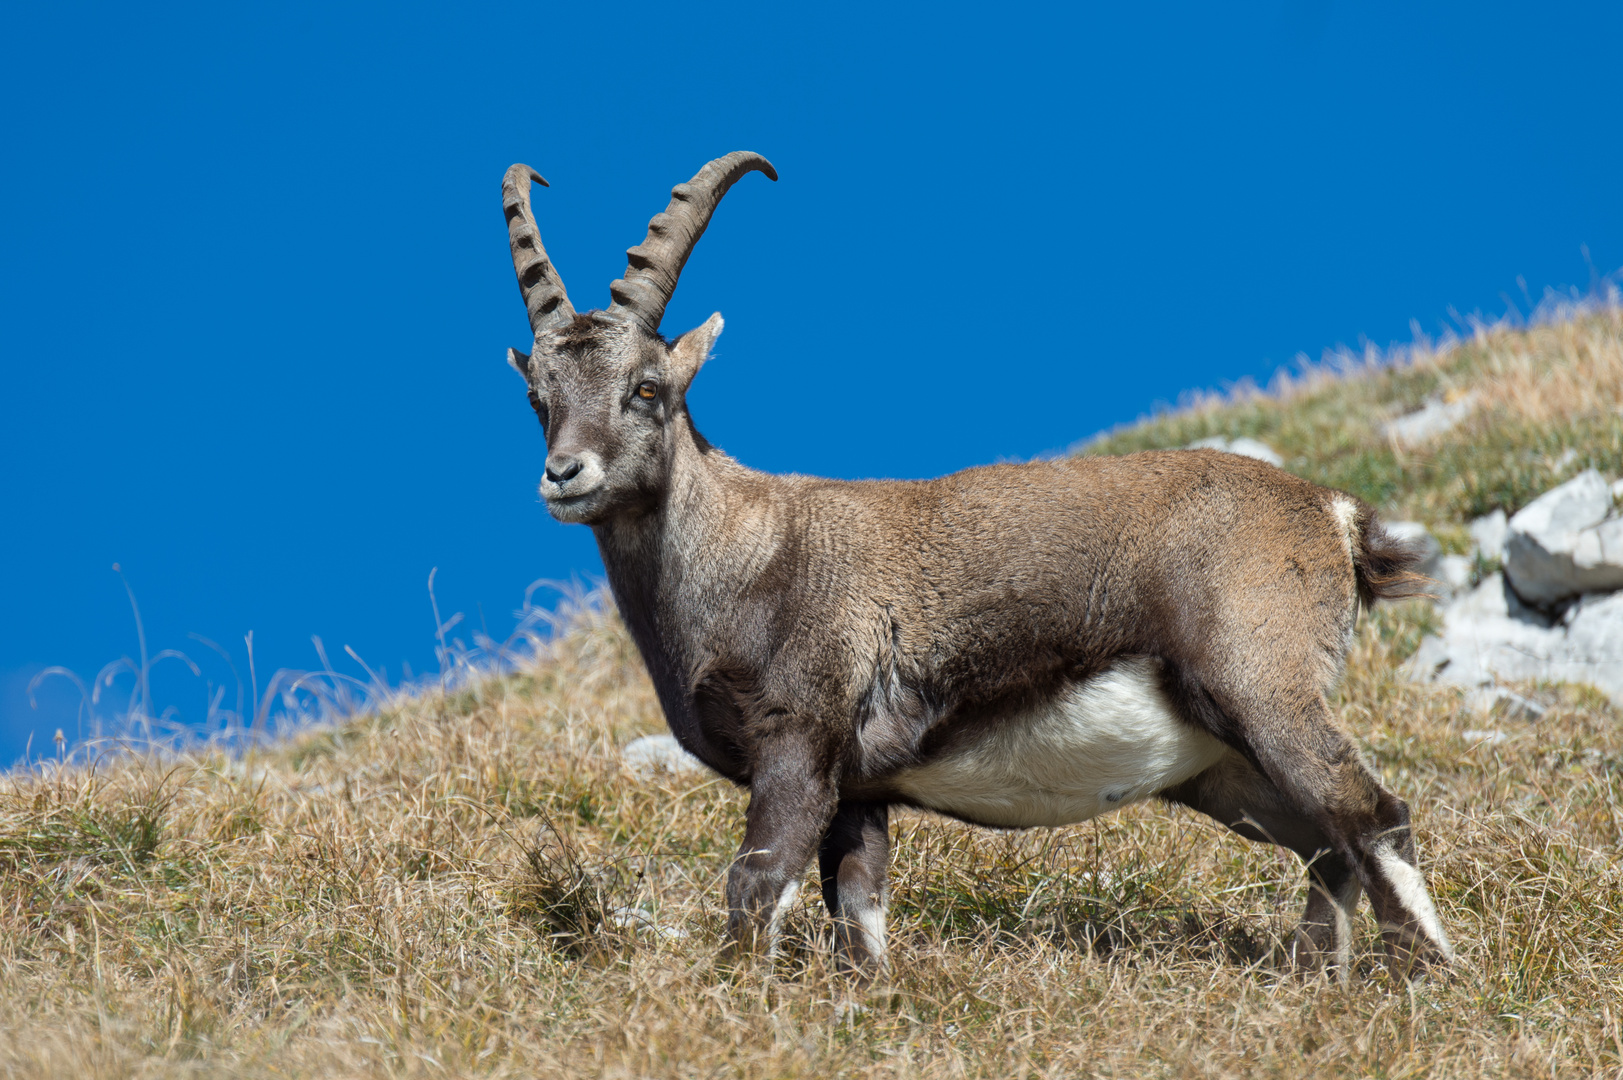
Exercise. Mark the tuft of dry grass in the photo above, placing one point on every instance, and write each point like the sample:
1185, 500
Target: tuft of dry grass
471, 883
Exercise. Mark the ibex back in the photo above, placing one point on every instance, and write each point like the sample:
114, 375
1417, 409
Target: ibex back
1014, 646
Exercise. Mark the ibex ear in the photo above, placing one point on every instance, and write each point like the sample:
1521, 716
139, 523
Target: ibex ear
692, 349
519, 362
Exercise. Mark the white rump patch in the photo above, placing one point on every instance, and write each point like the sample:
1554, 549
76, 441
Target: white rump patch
1102, 744
1411, 889
1345, 511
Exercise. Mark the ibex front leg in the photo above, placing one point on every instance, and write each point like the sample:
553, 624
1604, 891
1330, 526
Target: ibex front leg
855, 868
791, 800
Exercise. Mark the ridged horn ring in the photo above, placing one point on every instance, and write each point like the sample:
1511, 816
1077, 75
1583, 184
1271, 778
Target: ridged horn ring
545, 299
654, 266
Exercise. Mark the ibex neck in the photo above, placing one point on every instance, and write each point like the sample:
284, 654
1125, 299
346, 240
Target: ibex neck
686, 530
677, 570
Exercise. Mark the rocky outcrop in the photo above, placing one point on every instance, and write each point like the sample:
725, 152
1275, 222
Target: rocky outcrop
1556, 612
1565, 543
1429, 421
1490, 637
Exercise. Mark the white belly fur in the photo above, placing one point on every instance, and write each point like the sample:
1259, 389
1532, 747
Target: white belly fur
1104, 743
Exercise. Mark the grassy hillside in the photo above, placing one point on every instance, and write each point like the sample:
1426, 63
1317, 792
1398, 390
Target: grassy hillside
434, 889
1548, 404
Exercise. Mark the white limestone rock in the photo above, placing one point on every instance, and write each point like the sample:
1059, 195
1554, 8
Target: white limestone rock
1489, 636
1453, 573
1488, 534
1251, 448
1565, 543
1429, 421
655, 755
1594, 628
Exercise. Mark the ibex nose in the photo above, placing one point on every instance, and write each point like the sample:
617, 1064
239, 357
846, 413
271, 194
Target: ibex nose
560, 467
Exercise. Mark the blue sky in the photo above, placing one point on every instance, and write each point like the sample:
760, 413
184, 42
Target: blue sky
255, 290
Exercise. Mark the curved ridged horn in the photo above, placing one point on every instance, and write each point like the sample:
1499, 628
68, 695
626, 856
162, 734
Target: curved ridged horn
538, 281
655, 265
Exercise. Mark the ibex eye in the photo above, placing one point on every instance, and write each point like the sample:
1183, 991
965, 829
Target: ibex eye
648, 390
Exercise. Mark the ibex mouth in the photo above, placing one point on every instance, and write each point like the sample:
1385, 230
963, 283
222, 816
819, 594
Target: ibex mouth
574, 509
574, 498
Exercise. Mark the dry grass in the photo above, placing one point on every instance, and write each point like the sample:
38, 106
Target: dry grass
448, 886
442, 888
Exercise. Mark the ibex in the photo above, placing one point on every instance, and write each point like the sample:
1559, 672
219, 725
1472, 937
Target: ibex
1012, 645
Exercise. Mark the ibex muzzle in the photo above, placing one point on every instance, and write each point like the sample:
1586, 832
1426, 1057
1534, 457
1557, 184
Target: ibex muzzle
1014, 646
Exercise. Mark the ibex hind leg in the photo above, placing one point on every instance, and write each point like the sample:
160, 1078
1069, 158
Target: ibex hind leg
1236, 795
1293, 738
854, 863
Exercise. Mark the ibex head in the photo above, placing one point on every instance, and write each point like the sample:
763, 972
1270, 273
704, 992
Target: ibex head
609, 389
